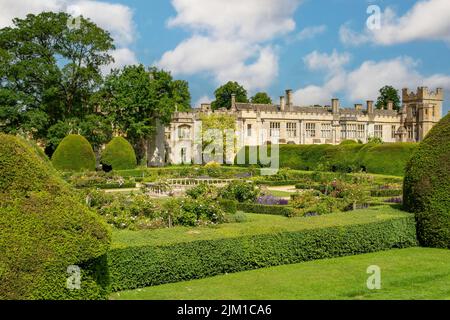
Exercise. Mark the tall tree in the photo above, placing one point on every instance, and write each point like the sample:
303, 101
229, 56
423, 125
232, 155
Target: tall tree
48, 71
136, 98
388, 93
223, 95
261, 98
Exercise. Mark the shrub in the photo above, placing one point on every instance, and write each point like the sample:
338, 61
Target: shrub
228, 206
119, 154
202, 190
74, 153
45, 228
240, 190
149, 265
386, 193
271, 200
387, 158
427, 187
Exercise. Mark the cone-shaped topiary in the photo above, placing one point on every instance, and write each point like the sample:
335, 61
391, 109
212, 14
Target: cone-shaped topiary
119, 154
427, 186
74, 153
45, 228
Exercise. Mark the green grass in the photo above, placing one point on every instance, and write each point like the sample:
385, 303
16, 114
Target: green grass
256, 224
413, 273
278, 193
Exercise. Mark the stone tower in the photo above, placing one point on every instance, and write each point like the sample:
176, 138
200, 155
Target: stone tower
423, 110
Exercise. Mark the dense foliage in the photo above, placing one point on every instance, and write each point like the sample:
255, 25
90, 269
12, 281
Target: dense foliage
388, 158
49, 72
119, 154
74, 153
388, 93
427, 186
261, 98
44, 229
223, 95
147, 265
136, 98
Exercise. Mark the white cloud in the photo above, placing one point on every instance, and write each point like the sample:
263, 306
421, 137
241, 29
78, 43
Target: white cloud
254, 20
115, 18
323, 61
203, 99
310, 32
426, 20
363, 83
230, 39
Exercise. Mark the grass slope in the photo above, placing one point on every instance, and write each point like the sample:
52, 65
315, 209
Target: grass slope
413, 273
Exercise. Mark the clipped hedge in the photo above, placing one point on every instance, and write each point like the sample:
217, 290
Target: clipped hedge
386, 193
141, 266
74, 153
387, 158
44, 229
277, 210
229, 206
427, 187
119, 154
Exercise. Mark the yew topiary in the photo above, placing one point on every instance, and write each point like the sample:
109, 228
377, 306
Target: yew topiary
427, 187
119, 154
74, 153
45, 228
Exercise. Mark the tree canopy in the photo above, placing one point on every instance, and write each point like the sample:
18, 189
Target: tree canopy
49, 72
223, 95
261, 98
135, 98
388, 93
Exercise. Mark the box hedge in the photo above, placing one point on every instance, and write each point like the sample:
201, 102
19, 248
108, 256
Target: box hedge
44, 229
119, 154
140, 266
427, 187
387, 158
277, 210
74, 153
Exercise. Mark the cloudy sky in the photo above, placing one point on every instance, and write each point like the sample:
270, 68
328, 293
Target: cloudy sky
319, 48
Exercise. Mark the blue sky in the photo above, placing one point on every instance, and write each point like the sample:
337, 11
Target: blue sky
319, 48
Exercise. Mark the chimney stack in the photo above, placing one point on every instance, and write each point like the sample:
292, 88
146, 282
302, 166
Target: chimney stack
358, 107
335, 105
289, 101
282, 103
370, 107
390, 105
233, 101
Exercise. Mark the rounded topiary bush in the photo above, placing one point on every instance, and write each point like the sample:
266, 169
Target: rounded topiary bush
74, 153
427, 187
119, 154
44, 229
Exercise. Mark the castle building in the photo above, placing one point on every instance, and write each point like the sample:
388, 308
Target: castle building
292, 124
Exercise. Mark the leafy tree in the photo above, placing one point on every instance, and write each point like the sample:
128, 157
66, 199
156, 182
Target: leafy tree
48, 71
261, 98
135, 98
223, 95
388, 93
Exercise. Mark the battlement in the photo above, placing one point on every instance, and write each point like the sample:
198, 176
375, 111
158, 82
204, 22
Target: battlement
423, 93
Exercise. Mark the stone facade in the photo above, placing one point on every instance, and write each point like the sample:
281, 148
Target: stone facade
257, 123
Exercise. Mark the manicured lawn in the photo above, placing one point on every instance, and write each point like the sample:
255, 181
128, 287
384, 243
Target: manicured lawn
413, 273
279, 193
256, 224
